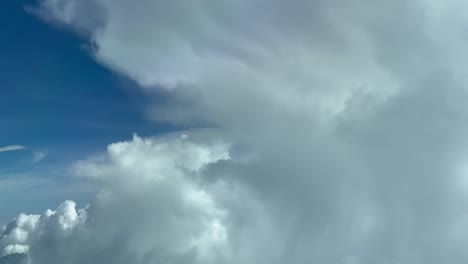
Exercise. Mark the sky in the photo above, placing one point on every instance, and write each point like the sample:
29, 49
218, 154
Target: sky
58, 103
218, 131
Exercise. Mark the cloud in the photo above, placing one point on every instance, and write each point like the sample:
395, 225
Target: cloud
15, 249
164, 187
15, 258
38, 156
11, 148
339, 134
51, 226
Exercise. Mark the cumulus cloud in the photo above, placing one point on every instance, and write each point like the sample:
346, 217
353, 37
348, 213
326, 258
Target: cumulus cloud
15, 249
340, 134
50, 228
150, 207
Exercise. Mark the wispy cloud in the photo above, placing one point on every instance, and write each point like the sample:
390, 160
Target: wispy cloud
12, 148
38, 156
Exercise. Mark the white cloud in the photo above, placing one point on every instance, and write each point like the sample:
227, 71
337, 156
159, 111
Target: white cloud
15, 249
150, 205
352, 116
11, 148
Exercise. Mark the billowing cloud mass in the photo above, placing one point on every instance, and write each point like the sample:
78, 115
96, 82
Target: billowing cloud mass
150, 208
337, 135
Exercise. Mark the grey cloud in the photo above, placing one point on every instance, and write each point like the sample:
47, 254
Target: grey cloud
14, 259
346, 121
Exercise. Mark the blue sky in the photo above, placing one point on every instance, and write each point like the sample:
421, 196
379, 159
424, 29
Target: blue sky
55, 100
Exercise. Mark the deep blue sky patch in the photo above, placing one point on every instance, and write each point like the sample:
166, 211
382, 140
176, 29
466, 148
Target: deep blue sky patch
57, 101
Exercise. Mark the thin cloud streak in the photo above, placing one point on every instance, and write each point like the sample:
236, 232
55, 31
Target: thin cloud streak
12, 148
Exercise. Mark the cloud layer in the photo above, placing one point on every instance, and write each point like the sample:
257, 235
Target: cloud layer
338, 134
